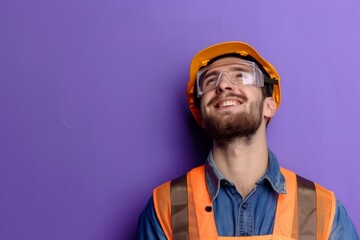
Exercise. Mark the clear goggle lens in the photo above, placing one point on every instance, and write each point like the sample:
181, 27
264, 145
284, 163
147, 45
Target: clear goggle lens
239, 73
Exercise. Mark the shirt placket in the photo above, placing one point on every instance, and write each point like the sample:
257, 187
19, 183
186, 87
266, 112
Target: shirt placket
245, 218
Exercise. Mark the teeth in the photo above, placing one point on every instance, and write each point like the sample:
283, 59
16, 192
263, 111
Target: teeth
229, 103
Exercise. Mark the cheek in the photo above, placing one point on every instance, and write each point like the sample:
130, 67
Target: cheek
204, 100
256, 92
255, 95
203, 104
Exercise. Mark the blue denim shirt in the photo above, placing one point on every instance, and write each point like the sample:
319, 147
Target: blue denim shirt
238, 216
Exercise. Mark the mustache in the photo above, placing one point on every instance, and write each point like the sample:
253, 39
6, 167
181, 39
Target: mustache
219, 97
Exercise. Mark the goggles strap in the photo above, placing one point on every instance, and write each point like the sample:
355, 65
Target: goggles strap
271, 80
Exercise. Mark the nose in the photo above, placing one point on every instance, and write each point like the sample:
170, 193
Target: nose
224, 82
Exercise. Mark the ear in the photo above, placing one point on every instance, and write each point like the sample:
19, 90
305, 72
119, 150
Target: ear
269, 107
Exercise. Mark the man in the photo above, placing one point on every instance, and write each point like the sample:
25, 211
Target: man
240, 191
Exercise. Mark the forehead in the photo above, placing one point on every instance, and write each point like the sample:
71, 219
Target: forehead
226, 60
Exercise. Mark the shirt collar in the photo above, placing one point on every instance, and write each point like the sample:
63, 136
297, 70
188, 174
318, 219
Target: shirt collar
272, 175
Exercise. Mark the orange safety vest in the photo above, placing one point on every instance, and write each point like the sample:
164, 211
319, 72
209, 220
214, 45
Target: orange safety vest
184, 209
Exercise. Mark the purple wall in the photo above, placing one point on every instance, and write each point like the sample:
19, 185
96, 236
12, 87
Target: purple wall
93, 109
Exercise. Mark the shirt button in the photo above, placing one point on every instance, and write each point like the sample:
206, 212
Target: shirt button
244, 206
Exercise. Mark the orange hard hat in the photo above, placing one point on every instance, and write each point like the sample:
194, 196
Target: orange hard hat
202, 58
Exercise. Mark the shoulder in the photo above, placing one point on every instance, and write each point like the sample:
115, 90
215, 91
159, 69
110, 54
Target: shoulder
292, 176
296, 182
148, 225
343, 227
162, 197
164, 189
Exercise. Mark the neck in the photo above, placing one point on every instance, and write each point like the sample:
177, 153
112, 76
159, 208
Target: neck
243, 161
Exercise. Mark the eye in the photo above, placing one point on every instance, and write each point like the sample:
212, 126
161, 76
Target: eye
209, 80
239, 74
247, 79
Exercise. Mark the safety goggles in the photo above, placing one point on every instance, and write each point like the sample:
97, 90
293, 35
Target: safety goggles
242, 72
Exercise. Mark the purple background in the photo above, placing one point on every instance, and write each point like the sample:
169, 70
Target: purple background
93, 109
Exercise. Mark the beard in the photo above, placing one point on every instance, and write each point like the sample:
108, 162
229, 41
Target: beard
228, 126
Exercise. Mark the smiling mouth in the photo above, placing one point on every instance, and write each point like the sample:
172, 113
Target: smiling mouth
228, 103
227, 100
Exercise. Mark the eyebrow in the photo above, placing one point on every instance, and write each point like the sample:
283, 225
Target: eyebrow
237, 67
211, 71
240, 67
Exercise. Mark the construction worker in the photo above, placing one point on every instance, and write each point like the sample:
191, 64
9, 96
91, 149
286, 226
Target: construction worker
240, 192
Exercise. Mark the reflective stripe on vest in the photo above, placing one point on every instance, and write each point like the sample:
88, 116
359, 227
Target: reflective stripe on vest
183, 207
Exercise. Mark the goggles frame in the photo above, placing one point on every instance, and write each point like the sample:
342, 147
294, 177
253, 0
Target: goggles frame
245, 72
